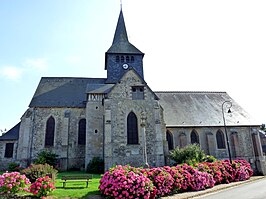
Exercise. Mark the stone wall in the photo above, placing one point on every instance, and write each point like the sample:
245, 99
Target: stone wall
32, 135
117, 107
240, 141
5, 161
95, 130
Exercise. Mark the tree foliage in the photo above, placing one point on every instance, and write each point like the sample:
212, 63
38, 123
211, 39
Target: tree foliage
190, 154
96, 165
46, 157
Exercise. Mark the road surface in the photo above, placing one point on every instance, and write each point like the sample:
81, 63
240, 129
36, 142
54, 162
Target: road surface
252, 190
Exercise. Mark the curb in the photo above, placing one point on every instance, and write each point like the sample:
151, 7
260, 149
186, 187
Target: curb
220, 187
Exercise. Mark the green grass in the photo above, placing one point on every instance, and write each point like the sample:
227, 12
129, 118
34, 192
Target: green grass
76, 189
73, 189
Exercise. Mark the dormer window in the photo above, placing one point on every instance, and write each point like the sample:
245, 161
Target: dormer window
138, 92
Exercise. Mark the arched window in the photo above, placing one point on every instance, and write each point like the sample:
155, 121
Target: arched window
220, 140
194, 137
122, 59
169, 138
127, 59
132, 129
117, 59
82, 132
49, 135
132, 59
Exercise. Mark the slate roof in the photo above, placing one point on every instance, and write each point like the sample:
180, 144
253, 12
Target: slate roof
63, 91
120, 42
99, 88
12, 134
201, 109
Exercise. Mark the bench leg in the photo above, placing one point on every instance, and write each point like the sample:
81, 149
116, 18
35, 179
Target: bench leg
87, 184
64, 184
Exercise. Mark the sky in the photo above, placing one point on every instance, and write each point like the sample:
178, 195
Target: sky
189, 45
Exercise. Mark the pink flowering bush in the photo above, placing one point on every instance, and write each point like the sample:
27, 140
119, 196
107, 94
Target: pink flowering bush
126, 182
11, 183
161, 179
130, 182
243, 170
177, 177
201, 180
225, 172
198, 180
42, 186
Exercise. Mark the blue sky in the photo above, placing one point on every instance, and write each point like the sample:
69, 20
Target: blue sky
191, 45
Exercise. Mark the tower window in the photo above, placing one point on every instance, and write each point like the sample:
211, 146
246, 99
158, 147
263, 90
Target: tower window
132, 59
122, 59
127, 59
117, 59
82, 132
137, 92
132, 129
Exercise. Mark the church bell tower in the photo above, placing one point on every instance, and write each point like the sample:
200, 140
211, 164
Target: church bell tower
122, 55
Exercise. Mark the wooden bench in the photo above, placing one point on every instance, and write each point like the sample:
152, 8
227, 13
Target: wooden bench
77, 178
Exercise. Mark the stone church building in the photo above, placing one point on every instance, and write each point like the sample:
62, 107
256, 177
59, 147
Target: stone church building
121, 120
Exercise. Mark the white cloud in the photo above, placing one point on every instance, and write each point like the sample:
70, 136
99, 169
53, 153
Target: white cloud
39, 64
11, 72
31, 65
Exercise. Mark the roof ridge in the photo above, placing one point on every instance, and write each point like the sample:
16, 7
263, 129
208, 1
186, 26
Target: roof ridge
73, 77
189, 91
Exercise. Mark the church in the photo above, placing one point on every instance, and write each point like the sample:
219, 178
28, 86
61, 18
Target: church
121, 120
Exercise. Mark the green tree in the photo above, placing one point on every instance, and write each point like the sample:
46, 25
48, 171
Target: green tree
190, 154
46, 157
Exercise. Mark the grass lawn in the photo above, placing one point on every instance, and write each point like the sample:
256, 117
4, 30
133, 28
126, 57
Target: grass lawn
72, 189
76, 189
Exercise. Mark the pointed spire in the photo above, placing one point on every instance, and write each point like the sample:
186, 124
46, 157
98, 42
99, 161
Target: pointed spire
120, 32
120, 42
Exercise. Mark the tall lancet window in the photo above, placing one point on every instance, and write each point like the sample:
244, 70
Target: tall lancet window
49, 135
220, 140
169, 138
82, 132
132, 129
194, 137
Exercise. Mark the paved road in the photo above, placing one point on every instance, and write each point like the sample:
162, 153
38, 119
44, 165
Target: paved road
252, 190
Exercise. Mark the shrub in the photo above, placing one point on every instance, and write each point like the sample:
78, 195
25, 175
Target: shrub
13, 182
198, 180
190, 154
47, 157
13, 166
177, 177
214, 168
209, 158
130, 182
35, 171
243, 170
96, 165
161, 179
126, 182
42, 187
